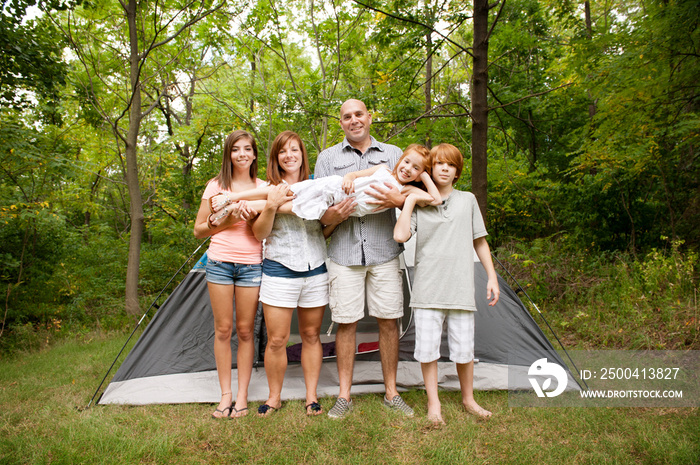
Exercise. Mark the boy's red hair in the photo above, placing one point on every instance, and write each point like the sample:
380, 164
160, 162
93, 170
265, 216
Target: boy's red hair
450, 154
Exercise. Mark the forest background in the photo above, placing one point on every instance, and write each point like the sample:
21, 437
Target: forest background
578, 121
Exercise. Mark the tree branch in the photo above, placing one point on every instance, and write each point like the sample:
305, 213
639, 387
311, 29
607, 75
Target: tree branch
413, 21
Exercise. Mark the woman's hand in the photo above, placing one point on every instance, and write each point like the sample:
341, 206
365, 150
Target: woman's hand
279, 195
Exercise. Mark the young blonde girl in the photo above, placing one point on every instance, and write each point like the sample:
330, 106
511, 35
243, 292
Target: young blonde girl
311, 198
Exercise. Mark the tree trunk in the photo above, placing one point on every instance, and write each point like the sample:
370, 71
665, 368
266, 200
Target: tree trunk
592, 106
480, 111
132, 173
429, 71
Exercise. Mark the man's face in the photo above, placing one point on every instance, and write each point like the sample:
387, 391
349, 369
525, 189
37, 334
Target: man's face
355, 121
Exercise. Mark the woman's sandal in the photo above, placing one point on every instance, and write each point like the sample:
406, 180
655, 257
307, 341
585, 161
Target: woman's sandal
223, 410
315, 407
236, 413
265, 410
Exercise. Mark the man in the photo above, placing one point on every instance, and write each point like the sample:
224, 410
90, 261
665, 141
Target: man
363, 257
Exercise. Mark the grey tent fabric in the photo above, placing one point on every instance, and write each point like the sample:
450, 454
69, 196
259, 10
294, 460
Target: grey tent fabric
173, 360
180, 338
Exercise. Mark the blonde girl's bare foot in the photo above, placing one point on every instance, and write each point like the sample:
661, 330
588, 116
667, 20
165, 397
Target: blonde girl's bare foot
475, 409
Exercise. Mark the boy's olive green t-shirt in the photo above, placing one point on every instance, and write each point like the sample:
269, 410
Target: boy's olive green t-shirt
444, 263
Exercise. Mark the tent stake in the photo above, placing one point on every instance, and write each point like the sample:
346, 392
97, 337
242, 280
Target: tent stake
143, 317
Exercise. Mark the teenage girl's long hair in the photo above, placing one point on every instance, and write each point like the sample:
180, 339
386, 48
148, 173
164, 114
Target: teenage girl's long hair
275, 173
225, 176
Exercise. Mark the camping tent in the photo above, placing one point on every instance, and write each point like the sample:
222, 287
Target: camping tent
173, 360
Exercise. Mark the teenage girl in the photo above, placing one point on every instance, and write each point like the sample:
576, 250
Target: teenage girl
233, 269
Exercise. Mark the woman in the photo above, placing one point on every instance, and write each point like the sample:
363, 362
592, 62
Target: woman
233, 269
294, 275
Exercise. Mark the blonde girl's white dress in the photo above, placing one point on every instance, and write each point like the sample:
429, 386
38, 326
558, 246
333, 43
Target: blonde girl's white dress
314, 196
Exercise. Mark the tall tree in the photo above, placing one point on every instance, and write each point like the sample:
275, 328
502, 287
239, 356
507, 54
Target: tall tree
480, 106
104, 49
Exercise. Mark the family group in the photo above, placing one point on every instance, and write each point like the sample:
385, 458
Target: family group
335, 240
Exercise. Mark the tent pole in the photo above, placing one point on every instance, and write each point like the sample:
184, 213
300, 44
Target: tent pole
541, 315
143, 317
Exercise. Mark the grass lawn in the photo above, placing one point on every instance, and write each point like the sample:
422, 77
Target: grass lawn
43, 420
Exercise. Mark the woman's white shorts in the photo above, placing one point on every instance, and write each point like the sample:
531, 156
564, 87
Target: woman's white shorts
308, 292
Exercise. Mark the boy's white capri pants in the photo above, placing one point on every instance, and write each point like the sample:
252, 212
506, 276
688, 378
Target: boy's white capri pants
460, 334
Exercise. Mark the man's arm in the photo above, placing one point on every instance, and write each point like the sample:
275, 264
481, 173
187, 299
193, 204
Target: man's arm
337, 214
387, 196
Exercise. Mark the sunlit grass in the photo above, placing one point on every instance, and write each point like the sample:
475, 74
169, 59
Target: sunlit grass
43, 420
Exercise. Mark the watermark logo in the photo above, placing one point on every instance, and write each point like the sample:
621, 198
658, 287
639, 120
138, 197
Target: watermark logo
604, 378
543, 368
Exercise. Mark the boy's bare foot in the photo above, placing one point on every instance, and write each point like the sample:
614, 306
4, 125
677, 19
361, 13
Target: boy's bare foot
436, 419
476, 410
435, 414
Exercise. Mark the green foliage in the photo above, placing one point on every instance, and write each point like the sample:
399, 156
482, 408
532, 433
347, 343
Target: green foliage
603, 299
30, 63
593, 134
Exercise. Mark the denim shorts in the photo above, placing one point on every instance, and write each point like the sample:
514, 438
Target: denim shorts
233, 273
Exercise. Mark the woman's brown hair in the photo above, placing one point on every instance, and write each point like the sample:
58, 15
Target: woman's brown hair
275, 173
